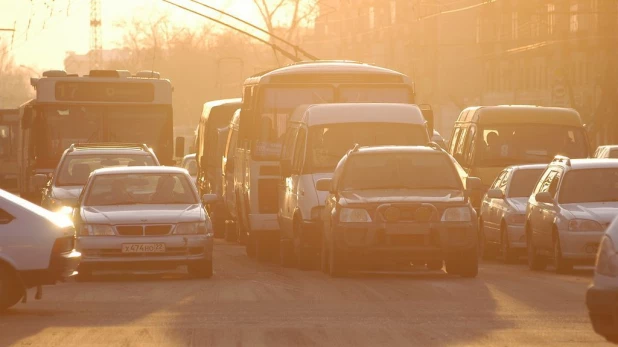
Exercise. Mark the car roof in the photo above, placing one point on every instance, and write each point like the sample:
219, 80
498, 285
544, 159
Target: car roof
336, 113
397, 149
114, 150
528, 167
139, 170
589, 163
190, 156
608, 146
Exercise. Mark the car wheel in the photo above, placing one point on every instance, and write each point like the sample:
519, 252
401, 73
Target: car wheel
324, 265
487, 251
250, 245
435, 265
10, 293
509, 256
536, 262
561, 265
612, 338
469, 264
302, 253
201, 269
452, 267
286, 253
336, 262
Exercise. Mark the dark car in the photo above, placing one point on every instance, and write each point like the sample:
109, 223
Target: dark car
62, 189
399, 205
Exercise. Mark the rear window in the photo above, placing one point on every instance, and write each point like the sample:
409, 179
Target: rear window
76, 169
400, 171
523, 182
589, 185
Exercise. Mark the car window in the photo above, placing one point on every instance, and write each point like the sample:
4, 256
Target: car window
613, 153
75, 169
589, 185
129, 189
5, 217
547, 181
299, 150
523, 182
497, 181
400, 171
555, 182
454, 139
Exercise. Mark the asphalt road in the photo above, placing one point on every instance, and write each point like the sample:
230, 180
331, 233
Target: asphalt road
259, 304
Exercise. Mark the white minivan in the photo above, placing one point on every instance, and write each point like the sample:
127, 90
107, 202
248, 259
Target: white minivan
37, 247
317, 137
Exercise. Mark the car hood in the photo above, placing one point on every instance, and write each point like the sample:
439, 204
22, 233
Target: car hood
137, 214
378, 196
602, 212
518, 204
321, 195
66, 193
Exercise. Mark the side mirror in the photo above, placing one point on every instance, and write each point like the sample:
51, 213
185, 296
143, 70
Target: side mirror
286, 168
26, 119
210, 199
544, 197
473, 183
180, 147
40, 181
495, 194
324, 185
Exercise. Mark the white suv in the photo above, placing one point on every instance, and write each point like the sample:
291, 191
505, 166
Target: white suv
569, 210
36, 248
318, 136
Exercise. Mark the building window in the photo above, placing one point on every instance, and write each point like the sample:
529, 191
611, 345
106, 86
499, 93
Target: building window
514, 26
573, 18
372, 18
551, 18
393, 4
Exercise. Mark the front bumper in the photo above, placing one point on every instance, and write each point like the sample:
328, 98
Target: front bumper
580, 246
517, 236
106, 251
603, 309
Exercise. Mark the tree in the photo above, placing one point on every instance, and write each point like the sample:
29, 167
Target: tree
14, 86
286, 15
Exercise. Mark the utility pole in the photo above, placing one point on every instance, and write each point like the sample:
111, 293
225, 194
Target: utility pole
96, 47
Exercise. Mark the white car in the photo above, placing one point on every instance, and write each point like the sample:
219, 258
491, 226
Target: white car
142, 218
602, 295
36, 248
608, 151
503, 211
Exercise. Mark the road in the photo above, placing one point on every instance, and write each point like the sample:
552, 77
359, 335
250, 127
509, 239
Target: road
260, 304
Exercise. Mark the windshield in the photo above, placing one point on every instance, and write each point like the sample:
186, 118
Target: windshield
65, 125
589, 185
523, 182
143, 188
75, 170
400, 171
390, 94
511, 144
328, 143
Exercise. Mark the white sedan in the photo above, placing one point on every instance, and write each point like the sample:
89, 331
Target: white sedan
143, 218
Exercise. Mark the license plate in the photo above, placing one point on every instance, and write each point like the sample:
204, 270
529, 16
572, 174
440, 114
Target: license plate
143, 248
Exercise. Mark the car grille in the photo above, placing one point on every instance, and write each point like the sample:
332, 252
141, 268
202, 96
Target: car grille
143, 230
169, 252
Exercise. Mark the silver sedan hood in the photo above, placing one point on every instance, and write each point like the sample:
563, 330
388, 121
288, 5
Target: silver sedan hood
140, 214
602, 212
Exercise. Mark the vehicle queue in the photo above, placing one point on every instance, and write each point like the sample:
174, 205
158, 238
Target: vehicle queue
353, 182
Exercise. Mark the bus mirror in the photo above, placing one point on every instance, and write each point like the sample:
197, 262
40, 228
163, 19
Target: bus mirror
180, 147
26, 119
428, 115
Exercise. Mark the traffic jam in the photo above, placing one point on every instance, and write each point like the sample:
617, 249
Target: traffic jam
306, 170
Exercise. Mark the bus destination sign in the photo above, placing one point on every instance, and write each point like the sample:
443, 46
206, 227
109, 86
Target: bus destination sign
104, 91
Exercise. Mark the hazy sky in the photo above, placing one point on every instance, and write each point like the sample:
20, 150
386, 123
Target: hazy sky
44, 34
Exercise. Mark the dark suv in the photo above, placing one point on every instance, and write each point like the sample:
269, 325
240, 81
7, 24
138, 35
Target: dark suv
66, 182
399, 205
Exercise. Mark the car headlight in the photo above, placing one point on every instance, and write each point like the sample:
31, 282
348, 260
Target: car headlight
607, 258
584, 225
456, 214
354, 215
517, 219
65, 210
96, 230
191, 228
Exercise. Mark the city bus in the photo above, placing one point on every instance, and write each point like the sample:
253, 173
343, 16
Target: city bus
105, 106
9, 132
268, 100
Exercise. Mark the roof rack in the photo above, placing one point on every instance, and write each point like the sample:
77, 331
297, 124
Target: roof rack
561, 159
142, 146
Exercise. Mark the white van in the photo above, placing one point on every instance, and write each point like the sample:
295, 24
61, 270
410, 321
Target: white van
317, 137
49, 239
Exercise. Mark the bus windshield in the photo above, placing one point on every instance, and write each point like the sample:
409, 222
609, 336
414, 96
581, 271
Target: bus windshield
509, 144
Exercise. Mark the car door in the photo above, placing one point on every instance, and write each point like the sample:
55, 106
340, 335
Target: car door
287, 153
549, 211
489, 210
538, 210
296, 191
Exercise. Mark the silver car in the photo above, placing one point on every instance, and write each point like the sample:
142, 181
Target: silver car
569, 210
503, 211
142, 218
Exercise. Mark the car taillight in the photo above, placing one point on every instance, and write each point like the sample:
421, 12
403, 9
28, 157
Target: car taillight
64, 245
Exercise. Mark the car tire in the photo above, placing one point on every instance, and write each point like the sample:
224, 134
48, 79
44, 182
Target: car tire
263, 247
286, 253
612, 338
536, 262
10, 293
508, 254
561, 265
201, 269
469, 264
324, 264
301, 252
435, 265
250, 245
336, 262
487, 251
